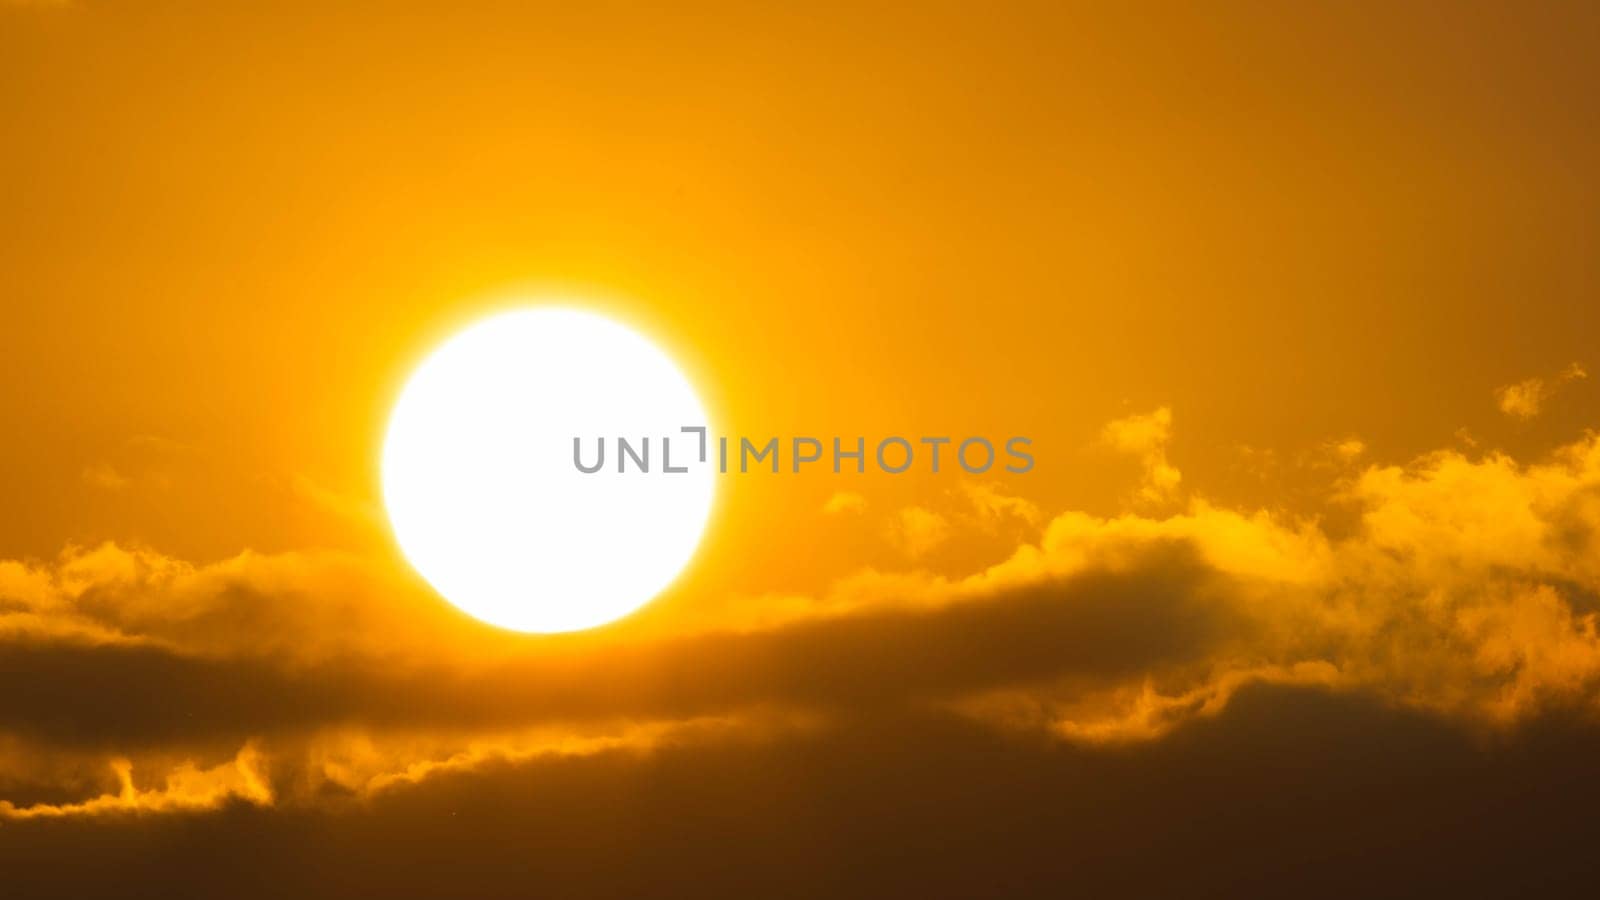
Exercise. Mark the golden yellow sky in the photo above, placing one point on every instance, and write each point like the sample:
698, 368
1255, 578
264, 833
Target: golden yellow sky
1297, 303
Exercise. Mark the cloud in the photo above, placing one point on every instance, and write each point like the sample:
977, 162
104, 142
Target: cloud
1332, 793
1145, 437
1349, 449
357, 511
303, 606
1467, 588
105, 476
845, 502
992, 505
894, 640
186, 788
146, 462
1526, 398
917, 530
348, 763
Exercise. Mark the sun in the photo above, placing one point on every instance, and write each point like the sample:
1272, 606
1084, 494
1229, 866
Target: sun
482, 487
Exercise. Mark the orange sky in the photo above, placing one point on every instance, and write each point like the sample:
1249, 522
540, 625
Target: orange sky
1298, 306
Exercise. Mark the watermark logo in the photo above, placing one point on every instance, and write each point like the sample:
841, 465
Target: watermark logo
893, 455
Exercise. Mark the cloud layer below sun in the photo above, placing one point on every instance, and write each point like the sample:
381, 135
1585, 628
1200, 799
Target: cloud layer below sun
1461, 585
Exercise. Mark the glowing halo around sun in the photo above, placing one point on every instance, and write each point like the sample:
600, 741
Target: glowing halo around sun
480, 485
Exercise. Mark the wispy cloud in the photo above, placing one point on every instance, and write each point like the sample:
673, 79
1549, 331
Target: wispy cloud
844, 502
1145, 437
186, 788
1526, 399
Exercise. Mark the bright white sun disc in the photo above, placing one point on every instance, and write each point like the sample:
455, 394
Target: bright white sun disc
481, 487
